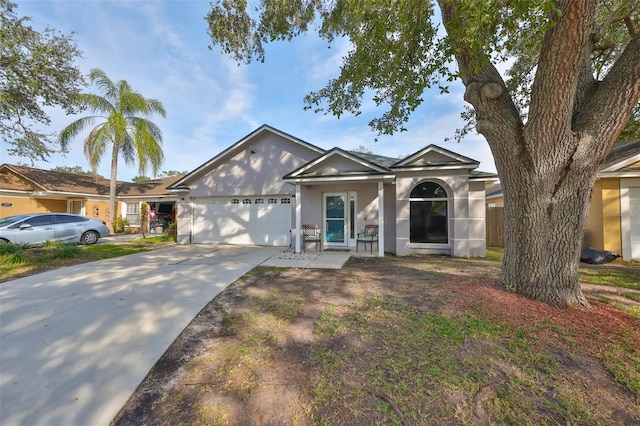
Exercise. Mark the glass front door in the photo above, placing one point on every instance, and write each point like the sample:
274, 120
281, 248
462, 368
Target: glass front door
335, 209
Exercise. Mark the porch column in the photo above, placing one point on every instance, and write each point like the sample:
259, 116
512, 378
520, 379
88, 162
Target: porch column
380, 219
298, 218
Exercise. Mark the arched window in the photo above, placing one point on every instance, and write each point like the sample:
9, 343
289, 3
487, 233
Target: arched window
429, 222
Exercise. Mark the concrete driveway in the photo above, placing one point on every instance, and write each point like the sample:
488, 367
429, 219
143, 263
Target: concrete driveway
77, 341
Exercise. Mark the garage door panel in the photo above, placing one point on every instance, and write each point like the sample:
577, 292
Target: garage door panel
254, 220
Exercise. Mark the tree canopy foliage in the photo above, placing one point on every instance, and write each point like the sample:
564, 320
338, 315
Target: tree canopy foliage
170, 173
37, 70
163, 174
399, 50
76, 170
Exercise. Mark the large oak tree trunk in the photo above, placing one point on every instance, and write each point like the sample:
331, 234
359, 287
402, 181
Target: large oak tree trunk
545, 217
547, 166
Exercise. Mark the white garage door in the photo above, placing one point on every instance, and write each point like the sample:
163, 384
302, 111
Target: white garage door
634, 221
264, 221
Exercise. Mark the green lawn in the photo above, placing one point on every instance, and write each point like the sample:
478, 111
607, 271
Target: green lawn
21, 260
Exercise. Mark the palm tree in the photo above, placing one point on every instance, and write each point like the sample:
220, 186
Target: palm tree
121, 119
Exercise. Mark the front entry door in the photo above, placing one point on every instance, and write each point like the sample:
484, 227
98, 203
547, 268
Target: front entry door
335, 219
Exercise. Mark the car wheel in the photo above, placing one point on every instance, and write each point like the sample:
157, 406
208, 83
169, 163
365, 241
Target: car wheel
3, 241
89, 237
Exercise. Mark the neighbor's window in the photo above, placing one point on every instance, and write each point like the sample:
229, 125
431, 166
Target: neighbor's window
235, 201
133, 208
273, 201
246, 201
285, 200
429, 214
133, 214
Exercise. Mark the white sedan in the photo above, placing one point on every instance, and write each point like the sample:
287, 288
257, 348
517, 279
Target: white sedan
37, 228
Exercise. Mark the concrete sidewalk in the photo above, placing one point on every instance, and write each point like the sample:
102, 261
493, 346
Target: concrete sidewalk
75, 342
310, 260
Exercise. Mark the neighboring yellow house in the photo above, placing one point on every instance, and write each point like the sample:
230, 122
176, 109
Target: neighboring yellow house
30, 190
614, 216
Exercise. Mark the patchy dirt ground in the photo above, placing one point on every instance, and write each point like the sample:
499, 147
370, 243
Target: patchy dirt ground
293, 346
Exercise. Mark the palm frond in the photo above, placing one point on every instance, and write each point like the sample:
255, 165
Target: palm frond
148, 144
152, 128
155, 106
74, 129
133, 104
104, 83
96, 103
119, 125
96, 144
127, 148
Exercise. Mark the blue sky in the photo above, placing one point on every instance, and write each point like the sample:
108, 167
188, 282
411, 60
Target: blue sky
161, 49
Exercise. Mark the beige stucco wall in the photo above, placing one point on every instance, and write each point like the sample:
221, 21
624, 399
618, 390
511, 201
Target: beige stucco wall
465, 219
612, 230
184, 217
477, 220
97, 209
496, 202
21, 205
24, 204
244, 173
593, 236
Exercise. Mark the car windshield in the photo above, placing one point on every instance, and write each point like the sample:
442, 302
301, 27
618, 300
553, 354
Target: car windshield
12, 219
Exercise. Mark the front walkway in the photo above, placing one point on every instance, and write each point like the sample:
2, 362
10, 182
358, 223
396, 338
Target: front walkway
327, 259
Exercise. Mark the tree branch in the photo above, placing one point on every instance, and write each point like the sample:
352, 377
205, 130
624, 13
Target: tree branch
612, 103
559, 68
630, 26
619, 15
607, 46
496, 113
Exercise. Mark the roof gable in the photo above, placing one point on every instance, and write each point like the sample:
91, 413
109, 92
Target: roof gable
29, 179
242, 144
337, 162
13, 182
434, 156
52, 181
624, 156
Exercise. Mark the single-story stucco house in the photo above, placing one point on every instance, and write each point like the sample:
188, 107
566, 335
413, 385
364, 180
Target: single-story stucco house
263, 188
32, 190
613, 223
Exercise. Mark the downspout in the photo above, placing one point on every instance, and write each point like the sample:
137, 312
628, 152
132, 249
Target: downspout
298, 218
380, 219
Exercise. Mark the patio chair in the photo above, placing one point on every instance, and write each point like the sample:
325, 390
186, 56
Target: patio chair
369, 236
311, 234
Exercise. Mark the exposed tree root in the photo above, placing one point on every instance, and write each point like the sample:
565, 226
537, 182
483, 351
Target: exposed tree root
383, 397
479, 414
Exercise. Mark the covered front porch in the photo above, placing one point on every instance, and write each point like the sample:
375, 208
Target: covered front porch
341, 211
341, 193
